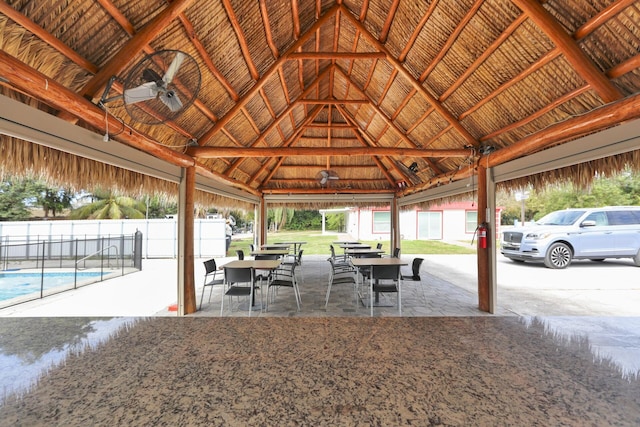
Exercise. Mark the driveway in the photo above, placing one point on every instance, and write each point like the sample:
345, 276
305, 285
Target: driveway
585, 288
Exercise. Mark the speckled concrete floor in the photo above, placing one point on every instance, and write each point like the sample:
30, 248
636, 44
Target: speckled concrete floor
323, 366
313, 371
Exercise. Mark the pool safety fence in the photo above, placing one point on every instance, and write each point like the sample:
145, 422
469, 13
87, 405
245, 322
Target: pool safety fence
111, 256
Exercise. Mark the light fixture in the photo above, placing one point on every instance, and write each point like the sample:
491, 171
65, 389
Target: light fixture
487, 149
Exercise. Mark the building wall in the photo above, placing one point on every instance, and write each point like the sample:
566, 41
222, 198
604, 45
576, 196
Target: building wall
453, 217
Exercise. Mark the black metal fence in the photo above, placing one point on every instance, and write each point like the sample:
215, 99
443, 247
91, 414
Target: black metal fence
82, 261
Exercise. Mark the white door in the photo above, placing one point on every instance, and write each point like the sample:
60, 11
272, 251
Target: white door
429, 225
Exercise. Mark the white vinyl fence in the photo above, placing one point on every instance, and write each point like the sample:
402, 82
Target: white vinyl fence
160, 236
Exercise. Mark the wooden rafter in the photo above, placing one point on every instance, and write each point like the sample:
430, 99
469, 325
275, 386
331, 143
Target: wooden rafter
582, 65
333, 101
267, 75
483, 57
275, 123
384, 32
294, 56
46, 37
295, 15
605, 14
388, 121
267, 29
219, 151
417, 31
206, 58
121, 59
242, 41
416, 84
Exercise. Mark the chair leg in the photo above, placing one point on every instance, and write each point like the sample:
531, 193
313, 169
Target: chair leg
399, 297
222, 300
202, 296
371, 294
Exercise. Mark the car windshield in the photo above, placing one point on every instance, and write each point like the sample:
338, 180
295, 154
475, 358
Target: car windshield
560, 218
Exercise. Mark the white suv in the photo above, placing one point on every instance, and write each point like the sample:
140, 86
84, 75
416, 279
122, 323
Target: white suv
589, 233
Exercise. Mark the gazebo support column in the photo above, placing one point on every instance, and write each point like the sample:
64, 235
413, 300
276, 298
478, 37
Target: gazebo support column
484, 270
186, 279
395, 224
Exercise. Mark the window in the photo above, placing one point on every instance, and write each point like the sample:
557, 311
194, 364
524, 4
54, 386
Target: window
471, 221
623, 217
381, 222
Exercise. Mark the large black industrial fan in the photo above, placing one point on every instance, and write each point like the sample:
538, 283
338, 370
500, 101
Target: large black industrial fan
160, 87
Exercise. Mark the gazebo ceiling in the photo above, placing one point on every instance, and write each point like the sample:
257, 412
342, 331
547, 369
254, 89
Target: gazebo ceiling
388, 96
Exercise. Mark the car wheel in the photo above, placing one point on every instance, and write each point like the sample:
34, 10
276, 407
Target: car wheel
558, 256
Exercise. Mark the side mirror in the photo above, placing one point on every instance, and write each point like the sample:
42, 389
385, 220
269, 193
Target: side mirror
588, 223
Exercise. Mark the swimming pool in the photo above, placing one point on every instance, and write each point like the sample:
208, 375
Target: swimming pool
15, 284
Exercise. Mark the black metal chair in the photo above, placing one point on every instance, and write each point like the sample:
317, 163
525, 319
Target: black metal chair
211, 278
341, 274
239, 282
240, 254
415, 269
385, 279
285, 278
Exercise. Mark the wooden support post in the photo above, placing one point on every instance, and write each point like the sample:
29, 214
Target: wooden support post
395, 224
262, 222
186, 279
484, 271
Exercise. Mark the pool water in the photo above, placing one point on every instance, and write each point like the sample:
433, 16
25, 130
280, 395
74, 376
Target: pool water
17, 284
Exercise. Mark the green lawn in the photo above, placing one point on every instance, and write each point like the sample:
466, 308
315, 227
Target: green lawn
318, 244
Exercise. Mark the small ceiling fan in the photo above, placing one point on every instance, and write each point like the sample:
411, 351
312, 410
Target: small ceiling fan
325, 175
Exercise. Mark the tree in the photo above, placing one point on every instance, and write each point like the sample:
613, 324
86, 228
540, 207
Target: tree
107, 205
15, 195
54, 200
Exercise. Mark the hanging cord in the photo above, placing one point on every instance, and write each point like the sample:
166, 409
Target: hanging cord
105, 138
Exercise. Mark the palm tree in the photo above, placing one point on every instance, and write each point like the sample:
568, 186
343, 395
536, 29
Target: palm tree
107, 205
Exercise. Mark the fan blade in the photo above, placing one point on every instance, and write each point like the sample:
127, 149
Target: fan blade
324, 179
144, 92
173, 67
171, 100
334, 177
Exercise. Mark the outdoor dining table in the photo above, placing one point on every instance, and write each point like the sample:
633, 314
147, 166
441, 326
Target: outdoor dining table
296, 245
279, 252
357, 253
262, 264
369, 262
275, 246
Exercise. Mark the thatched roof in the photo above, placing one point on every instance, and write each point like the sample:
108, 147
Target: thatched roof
362, 89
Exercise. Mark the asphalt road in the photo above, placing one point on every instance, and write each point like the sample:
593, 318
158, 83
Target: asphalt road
585, 288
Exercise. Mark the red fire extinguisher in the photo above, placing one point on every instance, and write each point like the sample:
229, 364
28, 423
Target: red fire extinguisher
482, 235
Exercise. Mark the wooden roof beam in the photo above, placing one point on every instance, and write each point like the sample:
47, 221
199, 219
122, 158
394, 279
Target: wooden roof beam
363, 138
333, 101
599, 19
416, 84
324, 191
583, 66
387, 120
294, 56
267, 29
242, 41
416, 32
218, 152
296, 19
267, 75
120, 60
46, 37
384, 32
206, 58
